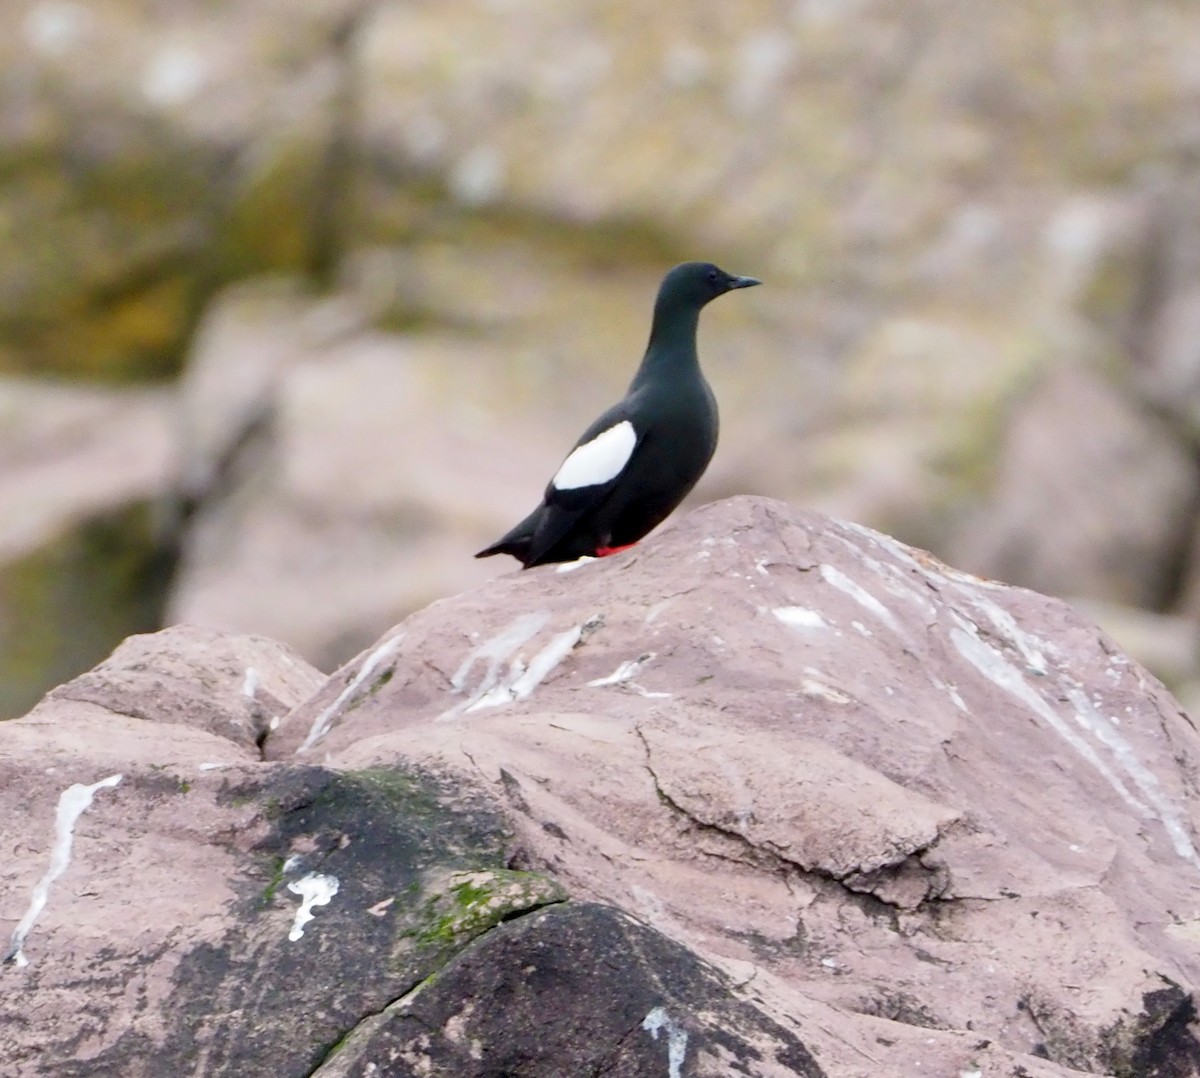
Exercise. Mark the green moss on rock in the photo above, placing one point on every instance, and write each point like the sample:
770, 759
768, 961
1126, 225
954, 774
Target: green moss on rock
467, 904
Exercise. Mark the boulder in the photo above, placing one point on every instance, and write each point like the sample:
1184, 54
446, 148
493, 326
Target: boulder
235, 687
768, 794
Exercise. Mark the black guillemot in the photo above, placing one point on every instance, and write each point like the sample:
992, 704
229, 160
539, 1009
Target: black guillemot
638, 461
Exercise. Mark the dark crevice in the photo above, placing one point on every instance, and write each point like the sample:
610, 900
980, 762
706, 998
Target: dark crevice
368, 1016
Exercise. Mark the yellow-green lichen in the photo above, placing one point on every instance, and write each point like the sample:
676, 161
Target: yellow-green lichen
466, 904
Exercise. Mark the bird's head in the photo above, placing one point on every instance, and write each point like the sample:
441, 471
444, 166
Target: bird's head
693, 284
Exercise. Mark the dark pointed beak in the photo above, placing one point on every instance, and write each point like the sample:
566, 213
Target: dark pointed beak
743, 282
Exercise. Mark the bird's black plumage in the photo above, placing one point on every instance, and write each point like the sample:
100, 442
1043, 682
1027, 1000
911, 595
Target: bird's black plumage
637, 462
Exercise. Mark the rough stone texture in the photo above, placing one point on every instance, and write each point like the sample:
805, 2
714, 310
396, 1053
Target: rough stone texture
586, 990
1167, 644
164, 946
860, 743
769, 795
234, 687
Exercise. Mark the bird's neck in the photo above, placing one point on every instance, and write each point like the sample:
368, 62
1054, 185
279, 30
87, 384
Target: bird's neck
672, 342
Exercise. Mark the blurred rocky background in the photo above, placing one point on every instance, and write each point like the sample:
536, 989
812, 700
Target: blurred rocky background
302, 302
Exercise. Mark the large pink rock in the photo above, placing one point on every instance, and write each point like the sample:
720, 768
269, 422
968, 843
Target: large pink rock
831, 763
770, 792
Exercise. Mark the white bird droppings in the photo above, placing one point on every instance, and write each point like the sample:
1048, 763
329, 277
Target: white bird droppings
522, 682
544, 661
677, 1038
996, 668
813, 687
834, 576
625, 672
498, 650
571, 566
321, 724
314, 890
800, 617
599, 460
72, 803
1143, 778
1027, 644
250, 682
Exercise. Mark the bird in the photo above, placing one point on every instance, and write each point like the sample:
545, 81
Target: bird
637, 462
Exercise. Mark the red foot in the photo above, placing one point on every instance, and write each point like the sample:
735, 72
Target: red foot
605, 551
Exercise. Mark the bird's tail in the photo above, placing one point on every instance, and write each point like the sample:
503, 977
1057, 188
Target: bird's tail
517, 541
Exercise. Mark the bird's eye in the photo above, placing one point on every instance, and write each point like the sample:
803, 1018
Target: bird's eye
712, 274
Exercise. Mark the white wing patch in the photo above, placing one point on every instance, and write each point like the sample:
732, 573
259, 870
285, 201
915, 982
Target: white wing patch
599, 460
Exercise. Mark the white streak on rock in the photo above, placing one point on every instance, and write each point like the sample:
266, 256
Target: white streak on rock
1143, 778
314, 890
599, 460
904, 555
894, 578
625, 672
321, 724
546, 660
800, 617
497, 651
812, 686
1027, 644
997, 669
72, 803
522, 682
653, 613
578, 563
950, 691
677, 1039
834, 576
250, 683
212, 766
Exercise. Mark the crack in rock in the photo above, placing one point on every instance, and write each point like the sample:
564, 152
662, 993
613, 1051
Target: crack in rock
904, 883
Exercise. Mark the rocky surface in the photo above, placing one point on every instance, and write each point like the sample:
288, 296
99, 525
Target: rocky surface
769, 794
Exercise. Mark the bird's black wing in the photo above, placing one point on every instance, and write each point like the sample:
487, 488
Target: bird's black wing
564, 508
